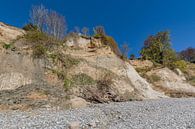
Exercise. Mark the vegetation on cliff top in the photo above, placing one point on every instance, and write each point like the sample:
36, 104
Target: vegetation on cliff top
47, 29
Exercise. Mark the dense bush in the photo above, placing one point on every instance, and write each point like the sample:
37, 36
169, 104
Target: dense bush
30, 27
153, 78
36, 37
99, 32
67, 84
108, 40
40, 42
39, 51
66, 60
78, 80
180, 64
192, 80
7, 46
106, 80
83, 79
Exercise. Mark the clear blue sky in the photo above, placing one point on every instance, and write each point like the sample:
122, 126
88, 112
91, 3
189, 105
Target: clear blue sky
130, 21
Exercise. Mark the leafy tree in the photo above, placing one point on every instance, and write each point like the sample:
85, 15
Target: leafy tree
188, 54
158, 49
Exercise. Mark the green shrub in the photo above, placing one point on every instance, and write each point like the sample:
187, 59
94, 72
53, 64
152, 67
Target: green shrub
7, 46
69, 61
192, 80
30, 27
99, 32
41, 42
38, 37
60, 73
67, 84
66, 60
78, 80
181, 64
108, 40
35, 36
123, 57
82, 79
153, 78
63, 60
106, 80
143, 71
97, 36
39, 51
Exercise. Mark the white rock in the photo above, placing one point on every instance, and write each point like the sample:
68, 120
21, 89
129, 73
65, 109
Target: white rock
74, 125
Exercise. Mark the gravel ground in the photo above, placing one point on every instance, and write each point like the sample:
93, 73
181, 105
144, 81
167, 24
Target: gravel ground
150, 114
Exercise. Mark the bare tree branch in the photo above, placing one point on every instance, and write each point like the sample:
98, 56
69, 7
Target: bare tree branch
47, 21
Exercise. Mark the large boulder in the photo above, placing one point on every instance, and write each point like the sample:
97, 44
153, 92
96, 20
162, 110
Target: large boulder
77, 102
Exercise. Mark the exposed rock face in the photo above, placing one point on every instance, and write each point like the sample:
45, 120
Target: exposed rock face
10, 81
17, 70
180, 74
9, 33
142, 86
127, 83
77, 102
171, 82
77, 41
141, 64
82, 42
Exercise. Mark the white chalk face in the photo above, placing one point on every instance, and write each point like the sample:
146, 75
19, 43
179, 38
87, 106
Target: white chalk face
11, 81
9, 33
78, 42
